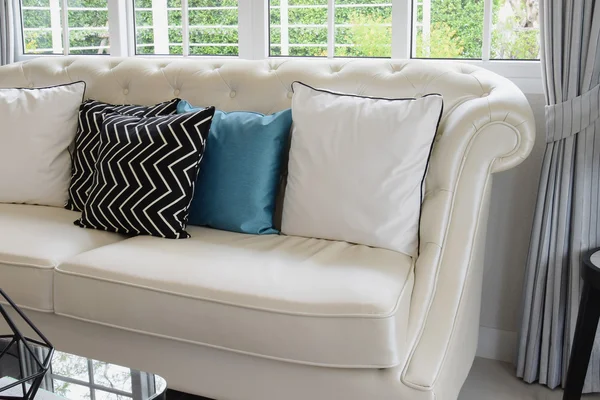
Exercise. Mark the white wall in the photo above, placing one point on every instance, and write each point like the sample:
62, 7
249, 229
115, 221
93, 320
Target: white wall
513, 200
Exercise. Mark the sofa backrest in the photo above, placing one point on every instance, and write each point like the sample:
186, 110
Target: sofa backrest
487, 126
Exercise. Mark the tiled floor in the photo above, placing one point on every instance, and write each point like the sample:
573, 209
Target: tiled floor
488, 380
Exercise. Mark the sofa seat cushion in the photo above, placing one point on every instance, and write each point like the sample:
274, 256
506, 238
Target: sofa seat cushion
294, 299
33, 241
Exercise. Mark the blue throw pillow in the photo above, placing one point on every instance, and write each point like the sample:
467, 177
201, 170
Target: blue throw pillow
239, 175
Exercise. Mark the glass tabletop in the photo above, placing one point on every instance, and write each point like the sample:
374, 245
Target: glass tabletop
76, 378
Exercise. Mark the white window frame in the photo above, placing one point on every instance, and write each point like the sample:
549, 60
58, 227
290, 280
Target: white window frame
253, 33
160, 17
59, 28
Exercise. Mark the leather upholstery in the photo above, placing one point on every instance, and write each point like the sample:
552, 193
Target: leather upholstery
33, 241
487, 126
349, 301
473, 97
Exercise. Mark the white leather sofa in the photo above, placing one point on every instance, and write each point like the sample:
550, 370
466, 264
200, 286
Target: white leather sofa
232, 316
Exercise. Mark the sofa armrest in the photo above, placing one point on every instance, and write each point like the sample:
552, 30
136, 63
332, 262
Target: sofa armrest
479, 136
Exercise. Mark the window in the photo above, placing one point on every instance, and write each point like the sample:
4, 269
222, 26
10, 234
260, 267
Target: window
65, 27
192, 27
298, 29
363, 28
451, 29
458, 29
77, 377
516, 30
441, 28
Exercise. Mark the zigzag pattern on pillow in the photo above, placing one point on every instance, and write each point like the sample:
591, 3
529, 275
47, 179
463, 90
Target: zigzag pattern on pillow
91, 114
146, 173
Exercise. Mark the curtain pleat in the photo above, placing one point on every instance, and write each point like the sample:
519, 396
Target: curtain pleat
572, 116
567, 215
7, 28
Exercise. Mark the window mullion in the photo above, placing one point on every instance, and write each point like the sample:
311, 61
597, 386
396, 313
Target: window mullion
260, 23
130, 28
487, 30
118, 29
284, 31
55, 26
65, 26
330, 28
185, 27
160, 19
252, 29
245, 27
401, 28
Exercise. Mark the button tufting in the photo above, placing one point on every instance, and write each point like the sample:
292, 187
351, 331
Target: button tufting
232, 94
418, 95
176, 92
31, 85
125, 91
486, 94
290, 95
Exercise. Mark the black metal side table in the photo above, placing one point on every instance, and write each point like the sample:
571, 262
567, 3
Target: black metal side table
587, 322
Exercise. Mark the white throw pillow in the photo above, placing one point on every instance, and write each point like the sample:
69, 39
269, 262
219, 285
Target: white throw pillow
37, 127
356, 167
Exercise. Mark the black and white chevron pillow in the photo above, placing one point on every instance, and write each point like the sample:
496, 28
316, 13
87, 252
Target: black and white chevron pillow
91, 115
145, 174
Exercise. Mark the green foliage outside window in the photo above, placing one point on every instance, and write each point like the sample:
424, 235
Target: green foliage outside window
456, 29
514, 37
40, 40
198, 34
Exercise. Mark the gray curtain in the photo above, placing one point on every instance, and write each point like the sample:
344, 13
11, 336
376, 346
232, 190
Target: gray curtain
7, 32
567, 216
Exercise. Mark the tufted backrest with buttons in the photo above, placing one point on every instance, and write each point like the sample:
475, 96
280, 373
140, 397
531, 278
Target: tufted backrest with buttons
487, 126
